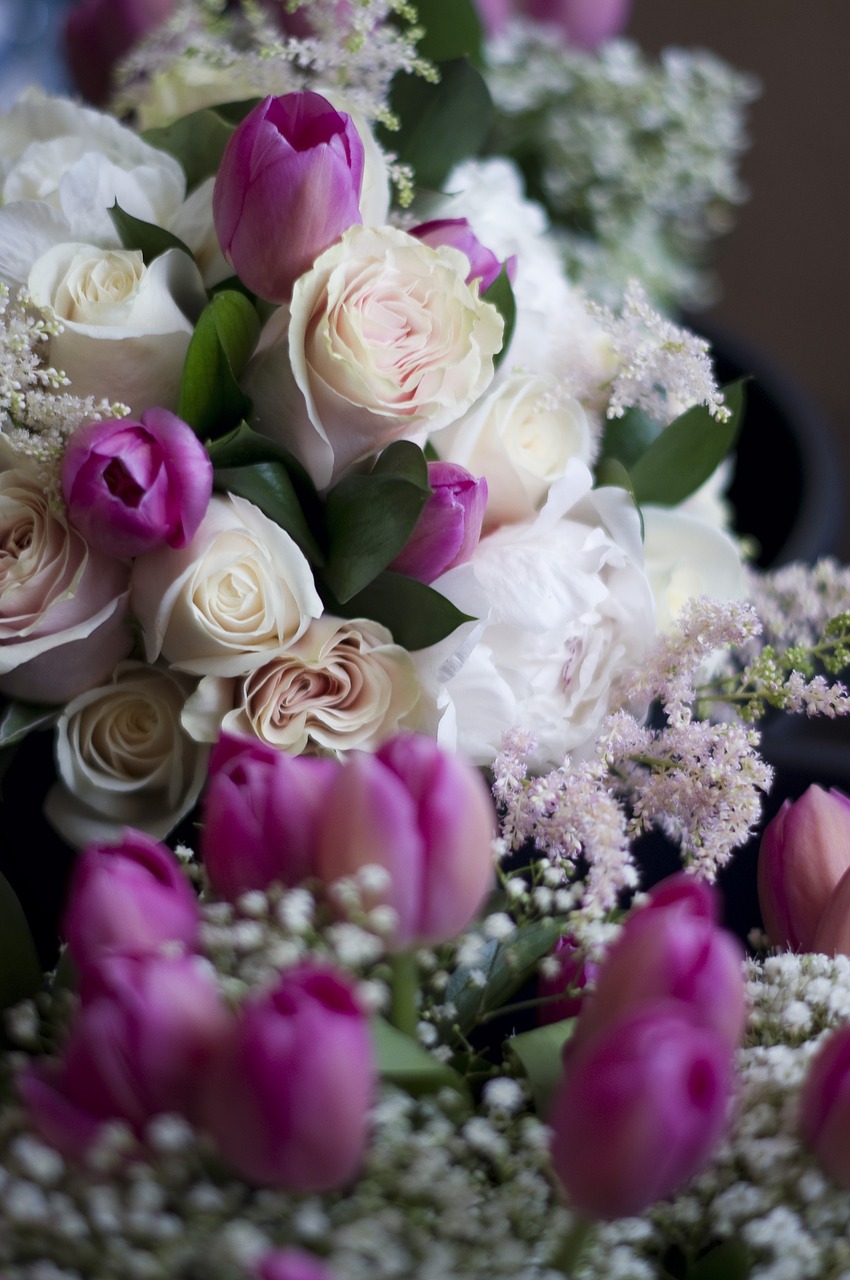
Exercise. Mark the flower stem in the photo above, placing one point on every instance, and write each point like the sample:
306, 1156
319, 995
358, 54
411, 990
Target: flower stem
403, 1013
571, 1245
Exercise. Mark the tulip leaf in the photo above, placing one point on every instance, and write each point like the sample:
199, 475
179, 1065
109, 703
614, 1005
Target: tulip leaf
370, 517
20, 970
17, 719
686, 453
417, 615
730, 1260
405, 1063
211, 399
501, 295
441, 124
505, 965
540, 1053
197, 141
146, 236
451, 30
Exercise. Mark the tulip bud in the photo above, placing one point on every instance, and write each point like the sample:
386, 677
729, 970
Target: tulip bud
98, 33
129, 895
825, 1105
573, 973
456, 232
639, 1110
291, 1264
584, 24
133, 486
832, 936
287, 1098
449, 527
287, 187
804, 853
424, 815
261, 810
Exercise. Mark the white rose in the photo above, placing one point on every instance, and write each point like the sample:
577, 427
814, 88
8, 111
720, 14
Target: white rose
570, 610
520, 437
62, 605
125, 328
238, 592
190, 85
343, 685
384, 340
123, 758
687, 556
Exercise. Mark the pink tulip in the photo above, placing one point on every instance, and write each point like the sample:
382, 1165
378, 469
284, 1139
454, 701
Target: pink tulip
449, 528
832, 936
582, 23
133, 486
804, 853
291, 1264
425, 816
261, 811
287, 1098
144, 1035
457, 233
287, 187
825, 1105
98, 33
133, 894
639, 1110
574, 972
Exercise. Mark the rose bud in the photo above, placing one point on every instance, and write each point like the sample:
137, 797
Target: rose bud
131, 487
825, 1105
805, 850
287, 187
142, 1038
483, 264
425, 816
133, 894
98, 33
261, 811
672, 950
639, 1110
449, 527
287, 1098
291, 1264
571, 973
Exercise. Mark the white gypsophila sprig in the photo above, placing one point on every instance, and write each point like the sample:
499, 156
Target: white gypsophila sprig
796, 601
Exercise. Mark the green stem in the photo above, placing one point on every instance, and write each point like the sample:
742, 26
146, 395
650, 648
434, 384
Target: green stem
571, 1245
405, 985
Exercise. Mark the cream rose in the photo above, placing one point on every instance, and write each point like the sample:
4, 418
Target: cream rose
125, 326
519, 437
238, 592
343, 685
62, 606
383, 340
123, 758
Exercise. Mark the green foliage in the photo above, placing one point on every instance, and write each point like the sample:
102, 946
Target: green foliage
501, 295
417, 615
150, 239
20, 971
197, 141
505, 965
17, 719
211, 399
442, 124
452, 30
540, 1053
401, 1061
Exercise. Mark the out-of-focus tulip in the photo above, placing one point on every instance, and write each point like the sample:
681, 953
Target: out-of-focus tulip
574, 972
832, 936
825, 1105
128, 895
287, 187
582, 23
291, 1264
287, 1098
261, 811
424, 815
456, 232
672, 949
804, 853
143, 1037
99, 32
449, 527
132, 486
639, 1110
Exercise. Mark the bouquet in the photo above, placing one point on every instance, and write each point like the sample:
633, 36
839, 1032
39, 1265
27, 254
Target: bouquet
368, 571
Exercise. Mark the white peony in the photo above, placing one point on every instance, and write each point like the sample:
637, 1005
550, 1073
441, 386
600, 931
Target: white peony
688, 556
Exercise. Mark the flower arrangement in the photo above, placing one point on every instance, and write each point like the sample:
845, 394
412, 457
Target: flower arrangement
366, 563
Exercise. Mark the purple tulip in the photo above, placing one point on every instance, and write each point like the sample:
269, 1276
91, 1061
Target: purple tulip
425, 816
449, 528
575, 971
287, 1098
639, 1110
131, 487
287, 187
805, 851
98, 33
146, 1031
456, 232
133, 894
825, 1105
291, 1264
261, 812
582, 23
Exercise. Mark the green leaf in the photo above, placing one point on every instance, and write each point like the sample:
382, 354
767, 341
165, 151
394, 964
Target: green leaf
540, 1053
20, 970
136, 234
686, 452
268, 486
370, 518
626, 438
730, 1260
441, 124
610, 471
405, 1063
17, 719
211, 400
452, 30
198, 140
501, 295
417, 615
505, 965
